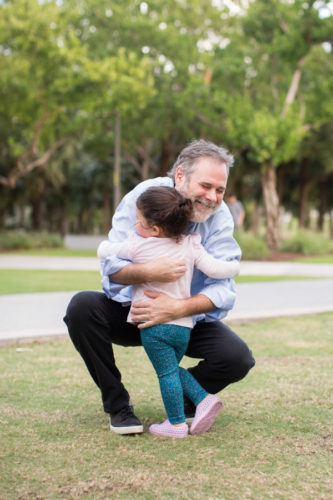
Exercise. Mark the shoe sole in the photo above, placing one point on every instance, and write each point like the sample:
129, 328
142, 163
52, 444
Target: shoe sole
207, 419
168, 435
133, 429
189, 420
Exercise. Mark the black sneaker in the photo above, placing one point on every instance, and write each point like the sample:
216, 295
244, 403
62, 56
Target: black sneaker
125, 422
189, 410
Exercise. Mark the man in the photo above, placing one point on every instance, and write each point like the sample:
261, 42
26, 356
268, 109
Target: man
95, 320
236, 208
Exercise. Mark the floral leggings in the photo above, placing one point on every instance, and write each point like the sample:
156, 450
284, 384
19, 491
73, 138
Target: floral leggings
165, 346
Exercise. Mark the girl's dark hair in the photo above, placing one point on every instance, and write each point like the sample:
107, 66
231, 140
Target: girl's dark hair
166, 208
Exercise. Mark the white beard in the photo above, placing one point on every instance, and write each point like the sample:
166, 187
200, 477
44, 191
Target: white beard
204, 214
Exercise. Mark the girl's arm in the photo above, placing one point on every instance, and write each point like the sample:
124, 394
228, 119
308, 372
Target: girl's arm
212, 266
106, 247
215, 268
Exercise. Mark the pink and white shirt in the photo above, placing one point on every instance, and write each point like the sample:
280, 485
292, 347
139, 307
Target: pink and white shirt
188, 249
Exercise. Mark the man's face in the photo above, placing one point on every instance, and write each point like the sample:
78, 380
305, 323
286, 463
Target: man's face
205, 187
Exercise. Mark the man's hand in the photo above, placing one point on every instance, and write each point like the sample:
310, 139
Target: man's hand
161, 309
163, 270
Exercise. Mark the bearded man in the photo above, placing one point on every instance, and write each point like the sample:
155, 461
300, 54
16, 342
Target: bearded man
96, 320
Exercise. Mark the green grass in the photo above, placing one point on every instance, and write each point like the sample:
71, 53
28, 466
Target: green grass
14, 281
257, 279
53, 252
272, 440
29, 281
319, 259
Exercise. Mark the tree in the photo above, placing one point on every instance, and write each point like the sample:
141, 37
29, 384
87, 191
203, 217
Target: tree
54, 88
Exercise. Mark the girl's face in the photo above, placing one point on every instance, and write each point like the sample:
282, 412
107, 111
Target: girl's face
143, 228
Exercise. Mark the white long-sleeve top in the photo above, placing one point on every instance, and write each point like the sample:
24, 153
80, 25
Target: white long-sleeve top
189, 249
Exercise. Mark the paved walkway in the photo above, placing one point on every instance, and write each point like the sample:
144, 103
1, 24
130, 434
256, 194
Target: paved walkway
35, 316
253, 268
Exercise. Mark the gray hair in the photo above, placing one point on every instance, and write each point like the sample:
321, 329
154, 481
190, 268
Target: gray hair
196, 150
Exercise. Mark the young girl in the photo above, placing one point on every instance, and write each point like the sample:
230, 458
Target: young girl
163, 216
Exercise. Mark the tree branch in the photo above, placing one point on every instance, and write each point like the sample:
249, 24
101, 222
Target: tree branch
21, 169
293, 87
207, 121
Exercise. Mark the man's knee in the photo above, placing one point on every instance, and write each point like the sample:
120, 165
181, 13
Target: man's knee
240, 362
78, 310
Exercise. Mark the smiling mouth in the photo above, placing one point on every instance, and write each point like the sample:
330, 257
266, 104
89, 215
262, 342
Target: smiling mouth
205, 205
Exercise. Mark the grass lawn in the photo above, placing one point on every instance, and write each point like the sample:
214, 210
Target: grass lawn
272, 439
319, 259
28, 281
54, 252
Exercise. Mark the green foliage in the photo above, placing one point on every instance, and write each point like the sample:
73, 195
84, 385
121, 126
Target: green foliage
272, 138
253, 247
174, 71
15, 240
308, 243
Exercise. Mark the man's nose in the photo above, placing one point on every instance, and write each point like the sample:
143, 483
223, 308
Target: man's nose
211, 195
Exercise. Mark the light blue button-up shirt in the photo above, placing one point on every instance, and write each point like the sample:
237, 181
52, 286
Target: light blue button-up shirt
216, 236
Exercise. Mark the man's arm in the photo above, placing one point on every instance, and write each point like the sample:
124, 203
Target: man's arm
217, 239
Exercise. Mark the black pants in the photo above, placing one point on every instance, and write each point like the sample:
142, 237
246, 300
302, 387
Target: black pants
95, 322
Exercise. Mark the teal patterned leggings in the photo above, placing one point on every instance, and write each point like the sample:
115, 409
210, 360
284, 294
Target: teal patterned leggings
165, 346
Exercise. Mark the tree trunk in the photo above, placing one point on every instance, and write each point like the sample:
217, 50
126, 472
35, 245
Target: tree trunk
322, 185
165, 158
117, 160
271, 200
280, 182
64, 221
303, 194
256, 216
37, 205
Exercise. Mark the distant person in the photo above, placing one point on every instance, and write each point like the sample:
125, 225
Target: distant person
97, 320
162, 221
236, 208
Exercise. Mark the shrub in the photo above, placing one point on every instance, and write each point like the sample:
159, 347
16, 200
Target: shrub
16, 240
307, 242
253, 247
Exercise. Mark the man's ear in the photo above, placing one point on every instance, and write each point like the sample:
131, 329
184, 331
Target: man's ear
179, 176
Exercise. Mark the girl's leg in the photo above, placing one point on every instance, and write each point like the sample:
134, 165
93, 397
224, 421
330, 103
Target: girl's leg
163, 358
208, 406
192, 388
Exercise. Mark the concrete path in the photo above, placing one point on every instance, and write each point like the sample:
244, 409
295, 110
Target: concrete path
253, 268
26, 317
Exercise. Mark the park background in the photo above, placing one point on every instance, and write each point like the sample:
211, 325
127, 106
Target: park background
96, 96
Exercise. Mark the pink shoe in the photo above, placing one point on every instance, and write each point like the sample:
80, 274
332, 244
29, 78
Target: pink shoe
205, 414
167, 429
